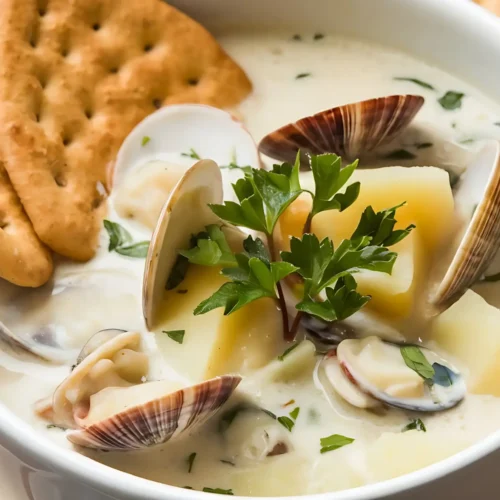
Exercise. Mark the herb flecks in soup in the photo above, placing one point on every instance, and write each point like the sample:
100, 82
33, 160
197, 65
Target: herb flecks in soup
311, 316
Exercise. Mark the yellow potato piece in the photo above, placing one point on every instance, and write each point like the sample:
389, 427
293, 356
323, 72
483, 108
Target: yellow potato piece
396, 454
429, 206
470, 331
215, 344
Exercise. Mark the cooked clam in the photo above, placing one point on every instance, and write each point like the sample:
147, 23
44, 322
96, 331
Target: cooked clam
371, 370
48, 322
186, 213
179, 133
110, 406
347, 130
477, 202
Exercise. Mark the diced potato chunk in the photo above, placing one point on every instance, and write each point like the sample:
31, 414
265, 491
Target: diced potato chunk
215, 344
394, 454
144, 191
470, 331
427, 193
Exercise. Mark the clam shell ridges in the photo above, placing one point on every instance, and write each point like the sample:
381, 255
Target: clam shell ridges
480, 248
347, 131
157, 421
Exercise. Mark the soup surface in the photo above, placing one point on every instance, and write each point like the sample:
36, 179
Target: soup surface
294, 75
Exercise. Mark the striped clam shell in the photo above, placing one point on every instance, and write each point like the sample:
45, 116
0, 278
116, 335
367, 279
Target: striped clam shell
159, 420
477, 199
348, 131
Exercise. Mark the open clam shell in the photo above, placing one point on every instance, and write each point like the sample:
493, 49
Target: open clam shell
347, 131
477, 201
161, 418
376, 369
177, 133
186, 213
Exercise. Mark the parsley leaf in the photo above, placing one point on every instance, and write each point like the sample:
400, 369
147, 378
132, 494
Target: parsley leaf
120, 241
329, 178
302, 75
263, 196
379, 226
192, 154
443, 376
287, 423
295, 413
415, 359
210, 249
416, 81
138, 250
281, 357
190, 461
451, 100
253, 277
176, 335
415, 425
178, 273
234, 166
219, 491
334, 442
145, 140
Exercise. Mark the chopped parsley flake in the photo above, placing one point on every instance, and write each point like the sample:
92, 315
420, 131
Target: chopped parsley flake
219, 491
415, 425
281, 357
145, 140
176, 335
295, 413
334, 442
302, 75
192, 154
287, 423
190, 461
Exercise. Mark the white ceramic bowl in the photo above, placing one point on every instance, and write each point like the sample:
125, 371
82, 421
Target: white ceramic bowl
455, 35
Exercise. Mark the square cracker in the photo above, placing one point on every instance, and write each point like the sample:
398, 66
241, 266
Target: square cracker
75, 77
492, 5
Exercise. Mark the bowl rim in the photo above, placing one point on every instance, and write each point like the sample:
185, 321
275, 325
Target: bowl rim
20, 438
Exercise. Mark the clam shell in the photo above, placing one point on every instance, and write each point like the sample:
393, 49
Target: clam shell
159, 420
177, 129
185, 213
66, 395
348, 131
477, 202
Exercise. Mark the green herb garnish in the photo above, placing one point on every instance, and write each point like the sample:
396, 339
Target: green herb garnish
415, 359
145, 140
257, 272
400, 154
219, 491
287, 351
297, 38
287, 423
469, 140
318, 36
451, 100
190, 461
192, 154
295, 413
415, 425
120, 241
425, 85
176, 335
302, 75
178, 272
227, 462
334, 442
54, 426
443, 376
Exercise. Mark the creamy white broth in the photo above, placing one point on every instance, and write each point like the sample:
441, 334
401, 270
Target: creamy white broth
340, 71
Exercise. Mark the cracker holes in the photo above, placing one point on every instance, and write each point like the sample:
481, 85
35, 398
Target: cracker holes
66, 140
113, 70
97, 202
89, 113
148, 47
60, 180
96, 26
157, 103
42, 11
192, 82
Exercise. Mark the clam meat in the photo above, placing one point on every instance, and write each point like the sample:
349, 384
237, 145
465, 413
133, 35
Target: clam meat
109, 403
370, 371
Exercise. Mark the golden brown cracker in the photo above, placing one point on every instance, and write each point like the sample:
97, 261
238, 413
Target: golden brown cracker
25, 260
491, 5
75, 78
